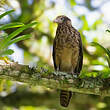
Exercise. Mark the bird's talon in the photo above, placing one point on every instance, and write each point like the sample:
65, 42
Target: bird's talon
32, 65
75, 75
56, 73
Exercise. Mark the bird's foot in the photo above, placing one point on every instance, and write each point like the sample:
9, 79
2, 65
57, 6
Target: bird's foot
32, 65
56, 73
75, 75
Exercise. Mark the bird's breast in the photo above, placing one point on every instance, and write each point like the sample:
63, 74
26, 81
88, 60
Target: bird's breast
67, 42
67, 49
66, 63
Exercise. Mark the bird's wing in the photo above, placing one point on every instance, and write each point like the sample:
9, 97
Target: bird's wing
80, 58
54, 59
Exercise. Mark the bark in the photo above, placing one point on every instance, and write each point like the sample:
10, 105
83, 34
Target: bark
46, 76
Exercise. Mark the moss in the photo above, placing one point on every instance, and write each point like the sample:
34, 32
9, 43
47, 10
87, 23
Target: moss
57, 80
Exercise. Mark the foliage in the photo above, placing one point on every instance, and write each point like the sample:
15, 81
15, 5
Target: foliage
7, 40
106, 51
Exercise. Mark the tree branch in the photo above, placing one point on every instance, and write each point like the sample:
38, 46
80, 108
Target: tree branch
45, 76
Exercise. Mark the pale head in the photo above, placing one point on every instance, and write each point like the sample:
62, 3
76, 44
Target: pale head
62, 19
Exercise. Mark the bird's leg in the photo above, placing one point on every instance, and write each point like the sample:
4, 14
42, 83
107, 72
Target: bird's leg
57, 71
75, 75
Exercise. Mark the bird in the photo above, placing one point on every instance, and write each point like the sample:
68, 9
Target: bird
67, 52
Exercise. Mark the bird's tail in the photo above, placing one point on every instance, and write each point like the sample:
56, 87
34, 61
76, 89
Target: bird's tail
65, 97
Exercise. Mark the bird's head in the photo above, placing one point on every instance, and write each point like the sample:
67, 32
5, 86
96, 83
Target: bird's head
62, 19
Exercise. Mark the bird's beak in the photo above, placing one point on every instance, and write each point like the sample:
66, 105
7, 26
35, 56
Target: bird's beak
55, 21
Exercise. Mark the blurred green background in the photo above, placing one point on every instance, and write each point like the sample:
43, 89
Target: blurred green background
90, 17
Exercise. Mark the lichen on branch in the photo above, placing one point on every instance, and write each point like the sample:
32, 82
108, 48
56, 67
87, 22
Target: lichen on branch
45, 76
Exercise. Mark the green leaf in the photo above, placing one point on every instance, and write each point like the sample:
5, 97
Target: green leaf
7, 52
108, 30
11, 25
105, 73
97, 44
6, 13
108, 60
107, 51
15, 33
23, 37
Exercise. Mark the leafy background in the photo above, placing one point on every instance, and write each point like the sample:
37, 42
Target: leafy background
26, 36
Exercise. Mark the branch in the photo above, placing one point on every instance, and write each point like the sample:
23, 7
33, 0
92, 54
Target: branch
45, 76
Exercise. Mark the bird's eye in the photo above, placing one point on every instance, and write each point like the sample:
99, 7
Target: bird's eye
62, 18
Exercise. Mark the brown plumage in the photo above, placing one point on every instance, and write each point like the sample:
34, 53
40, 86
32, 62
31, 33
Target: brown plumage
67, 52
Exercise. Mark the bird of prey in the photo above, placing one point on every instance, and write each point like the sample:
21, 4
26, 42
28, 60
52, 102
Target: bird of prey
67, 52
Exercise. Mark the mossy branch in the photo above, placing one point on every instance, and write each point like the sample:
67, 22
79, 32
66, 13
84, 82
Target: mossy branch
44, 76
